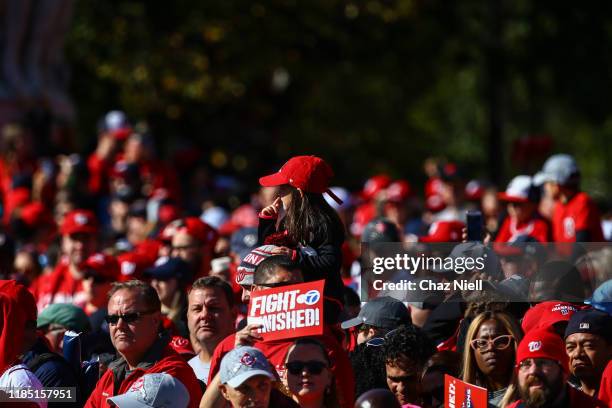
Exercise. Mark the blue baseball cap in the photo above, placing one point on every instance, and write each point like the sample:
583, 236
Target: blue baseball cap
590, 321
242, 363
243, 241
166, 268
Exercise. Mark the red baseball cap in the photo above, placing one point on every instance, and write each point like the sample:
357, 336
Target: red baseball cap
194, 226
132, 266
546, 314
542, 343
474, 190
308, 173
103, 266
77, 221
444, 231
398, 191
149, 249
168, 213
375, 185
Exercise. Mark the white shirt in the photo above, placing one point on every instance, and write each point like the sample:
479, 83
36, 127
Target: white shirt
200, 369
20, 376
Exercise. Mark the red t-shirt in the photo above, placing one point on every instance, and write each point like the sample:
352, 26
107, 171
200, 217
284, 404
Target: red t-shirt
536, 228
58, 287
579, 213
276, 352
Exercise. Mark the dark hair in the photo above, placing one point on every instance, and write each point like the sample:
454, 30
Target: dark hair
213, 282
311, 220
148, 295
408, 342
369, 362
350, 297
267, 268
309, 341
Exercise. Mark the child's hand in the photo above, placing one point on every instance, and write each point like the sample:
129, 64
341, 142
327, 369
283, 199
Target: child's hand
273, 209
248, 335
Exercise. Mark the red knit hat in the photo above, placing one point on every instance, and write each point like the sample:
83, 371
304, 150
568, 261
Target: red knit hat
541, 343
308, 173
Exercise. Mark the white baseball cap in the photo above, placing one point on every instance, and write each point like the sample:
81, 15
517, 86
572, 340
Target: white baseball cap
519, 190
558, 168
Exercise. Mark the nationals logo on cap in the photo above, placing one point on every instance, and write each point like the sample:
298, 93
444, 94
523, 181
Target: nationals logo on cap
80, 219
138, 384
535, 346
247, 360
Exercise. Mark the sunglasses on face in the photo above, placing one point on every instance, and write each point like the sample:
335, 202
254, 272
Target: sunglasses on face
498, 343
127, 317
313, 367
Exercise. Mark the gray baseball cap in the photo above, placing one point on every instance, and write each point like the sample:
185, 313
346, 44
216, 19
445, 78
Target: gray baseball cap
242, 363
384, 312
159, 390
558, 168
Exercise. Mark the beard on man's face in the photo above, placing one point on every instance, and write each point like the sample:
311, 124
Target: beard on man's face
540, 397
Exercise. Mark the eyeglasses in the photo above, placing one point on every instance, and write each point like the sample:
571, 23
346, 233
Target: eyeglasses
380, 341
313, 367
499, 343
127, 318
540, 363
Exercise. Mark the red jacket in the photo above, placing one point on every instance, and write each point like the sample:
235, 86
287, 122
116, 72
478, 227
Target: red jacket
276, 352
576, 399
160, 359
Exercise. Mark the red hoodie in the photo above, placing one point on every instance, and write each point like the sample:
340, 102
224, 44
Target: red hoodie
159, 359
276, 352
17, 306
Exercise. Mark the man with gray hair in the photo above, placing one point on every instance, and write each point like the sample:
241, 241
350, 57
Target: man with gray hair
134, 320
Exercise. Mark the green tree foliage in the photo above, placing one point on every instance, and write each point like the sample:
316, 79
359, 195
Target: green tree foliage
370, 85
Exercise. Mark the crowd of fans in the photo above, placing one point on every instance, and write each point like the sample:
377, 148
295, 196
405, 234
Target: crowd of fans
129, 284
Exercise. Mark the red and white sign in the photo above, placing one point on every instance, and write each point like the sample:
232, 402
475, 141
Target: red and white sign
288, 311
459, 394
